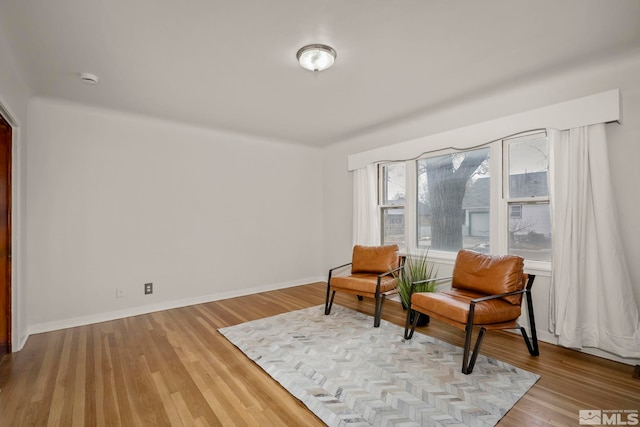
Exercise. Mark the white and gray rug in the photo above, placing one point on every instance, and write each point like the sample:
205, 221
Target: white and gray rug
349, 373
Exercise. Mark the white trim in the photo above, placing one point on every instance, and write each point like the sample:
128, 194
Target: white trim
10, 118
411, 205
18, 331
499, 228
167, 305
599, 108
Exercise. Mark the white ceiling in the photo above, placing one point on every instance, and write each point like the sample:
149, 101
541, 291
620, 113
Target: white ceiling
230, 64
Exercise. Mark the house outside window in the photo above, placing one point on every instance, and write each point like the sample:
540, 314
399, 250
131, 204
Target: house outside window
515, 211
526, 190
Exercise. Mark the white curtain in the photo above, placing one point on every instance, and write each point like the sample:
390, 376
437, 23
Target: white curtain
591, 297
366, 222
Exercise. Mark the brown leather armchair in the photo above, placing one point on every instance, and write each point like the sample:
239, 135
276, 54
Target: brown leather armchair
486, 292
372, 275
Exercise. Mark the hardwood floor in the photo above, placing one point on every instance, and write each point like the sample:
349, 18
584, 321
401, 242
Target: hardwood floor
174, 368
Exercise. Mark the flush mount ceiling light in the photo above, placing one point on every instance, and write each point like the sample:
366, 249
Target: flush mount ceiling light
316, 57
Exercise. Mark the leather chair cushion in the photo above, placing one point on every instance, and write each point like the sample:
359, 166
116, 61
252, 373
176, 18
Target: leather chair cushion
489, 275
374, 259
454, 305
364, 283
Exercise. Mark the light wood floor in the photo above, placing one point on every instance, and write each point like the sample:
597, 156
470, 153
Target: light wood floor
174, 368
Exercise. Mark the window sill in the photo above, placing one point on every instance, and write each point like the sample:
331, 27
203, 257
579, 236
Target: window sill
542, 268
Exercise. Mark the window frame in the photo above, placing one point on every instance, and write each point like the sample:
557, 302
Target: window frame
498, 203
506, 198
444, 255
382, 207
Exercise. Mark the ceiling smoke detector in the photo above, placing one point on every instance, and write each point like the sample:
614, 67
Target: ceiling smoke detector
89, 78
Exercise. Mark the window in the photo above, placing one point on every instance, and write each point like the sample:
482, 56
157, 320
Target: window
453, 201
527, 196
391, 200
490, 199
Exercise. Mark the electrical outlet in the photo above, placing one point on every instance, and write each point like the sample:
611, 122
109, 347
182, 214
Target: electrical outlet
119, 293
148, 288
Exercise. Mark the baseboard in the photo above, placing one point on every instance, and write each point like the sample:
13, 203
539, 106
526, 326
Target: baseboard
21, 343
166, 305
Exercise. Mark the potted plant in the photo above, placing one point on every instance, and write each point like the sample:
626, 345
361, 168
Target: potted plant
416, 268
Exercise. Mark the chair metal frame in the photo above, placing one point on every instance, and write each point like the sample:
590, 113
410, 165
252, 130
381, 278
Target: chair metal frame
469, 360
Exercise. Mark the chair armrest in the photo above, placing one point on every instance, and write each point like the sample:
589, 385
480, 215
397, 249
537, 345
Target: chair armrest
380, 276
336, 268
435, 279
340, 266
473, 302
388, 273
527, 289
490, 297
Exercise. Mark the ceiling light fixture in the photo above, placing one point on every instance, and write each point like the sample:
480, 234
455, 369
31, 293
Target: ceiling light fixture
316, 57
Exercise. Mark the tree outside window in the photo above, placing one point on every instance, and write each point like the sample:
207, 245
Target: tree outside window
453, 201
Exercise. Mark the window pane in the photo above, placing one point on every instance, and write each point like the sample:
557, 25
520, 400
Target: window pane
453, 201
393, 184
530, 233
528, 166
393, 226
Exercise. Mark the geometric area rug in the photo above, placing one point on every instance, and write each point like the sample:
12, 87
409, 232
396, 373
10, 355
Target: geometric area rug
351, 374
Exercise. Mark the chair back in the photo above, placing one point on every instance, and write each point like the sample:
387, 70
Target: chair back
375, 259
489, 274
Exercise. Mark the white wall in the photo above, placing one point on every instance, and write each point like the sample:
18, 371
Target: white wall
117, 200
624, 149
14, 95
